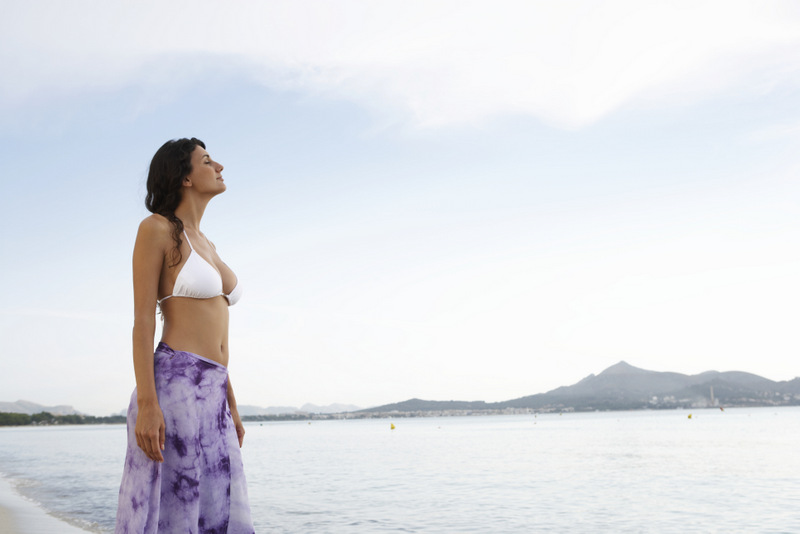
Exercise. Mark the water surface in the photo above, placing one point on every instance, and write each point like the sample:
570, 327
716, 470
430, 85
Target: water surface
731, 471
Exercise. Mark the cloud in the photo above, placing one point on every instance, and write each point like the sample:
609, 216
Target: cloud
426, 63
776, 132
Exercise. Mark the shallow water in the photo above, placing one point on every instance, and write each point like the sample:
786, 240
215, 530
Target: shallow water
731, 471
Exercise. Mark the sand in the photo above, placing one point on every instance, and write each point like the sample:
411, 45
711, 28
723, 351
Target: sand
21, 516
7, 523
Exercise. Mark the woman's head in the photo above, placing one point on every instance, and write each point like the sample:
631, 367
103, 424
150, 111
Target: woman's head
170, 165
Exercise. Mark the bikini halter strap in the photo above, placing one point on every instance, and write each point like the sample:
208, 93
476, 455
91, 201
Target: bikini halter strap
187, 239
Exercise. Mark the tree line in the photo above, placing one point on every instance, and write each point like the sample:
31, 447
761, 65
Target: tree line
46, 418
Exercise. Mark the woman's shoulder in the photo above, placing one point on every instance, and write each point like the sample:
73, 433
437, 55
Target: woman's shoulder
155, 226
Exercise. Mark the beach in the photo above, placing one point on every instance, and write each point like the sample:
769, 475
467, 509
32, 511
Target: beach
21, 516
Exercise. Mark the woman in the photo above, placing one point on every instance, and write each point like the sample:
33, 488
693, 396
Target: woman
183, 468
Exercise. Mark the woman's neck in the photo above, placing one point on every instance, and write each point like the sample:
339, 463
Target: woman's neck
190, 212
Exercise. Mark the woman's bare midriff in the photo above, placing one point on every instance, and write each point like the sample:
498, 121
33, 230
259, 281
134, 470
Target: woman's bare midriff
199, 326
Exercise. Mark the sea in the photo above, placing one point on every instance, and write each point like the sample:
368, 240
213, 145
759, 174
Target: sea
709, 470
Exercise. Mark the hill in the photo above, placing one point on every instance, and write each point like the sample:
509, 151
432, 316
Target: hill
625, 387
30, 408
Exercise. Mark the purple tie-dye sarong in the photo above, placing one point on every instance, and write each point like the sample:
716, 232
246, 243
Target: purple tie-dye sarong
200, 487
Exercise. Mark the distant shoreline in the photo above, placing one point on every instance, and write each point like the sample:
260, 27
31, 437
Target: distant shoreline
421, 409
48, 419
404, 414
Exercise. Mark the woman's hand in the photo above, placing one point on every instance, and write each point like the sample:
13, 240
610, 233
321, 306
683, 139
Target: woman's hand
150, 431
237, 423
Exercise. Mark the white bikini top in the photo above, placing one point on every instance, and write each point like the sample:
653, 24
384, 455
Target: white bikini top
198, 279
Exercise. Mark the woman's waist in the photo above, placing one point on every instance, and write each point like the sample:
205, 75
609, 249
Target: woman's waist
202, 344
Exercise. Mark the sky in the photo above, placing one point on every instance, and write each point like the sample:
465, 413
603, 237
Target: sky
442, 200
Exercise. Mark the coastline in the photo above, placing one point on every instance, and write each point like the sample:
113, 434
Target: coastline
21, 516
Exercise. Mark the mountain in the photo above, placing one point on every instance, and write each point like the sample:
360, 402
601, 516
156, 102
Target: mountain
625, 387
791, 387
414, 405
30, 408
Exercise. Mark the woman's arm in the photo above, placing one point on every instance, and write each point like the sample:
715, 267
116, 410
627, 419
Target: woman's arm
148, 260
237, 421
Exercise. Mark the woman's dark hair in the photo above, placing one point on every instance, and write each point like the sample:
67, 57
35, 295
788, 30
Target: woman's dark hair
170, 165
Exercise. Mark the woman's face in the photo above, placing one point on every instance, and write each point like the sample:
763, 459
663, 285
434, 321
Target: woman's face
206, 175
